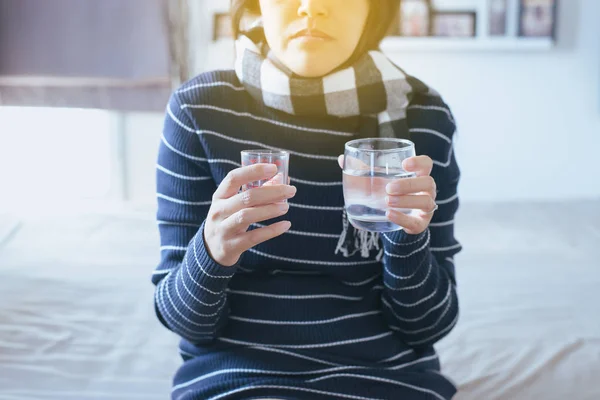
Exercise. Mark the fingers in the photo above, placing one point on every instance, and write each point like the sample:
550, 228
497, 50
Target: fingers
258, 236
412, 225
241, 176
416, 202
412, 185
276, 180
341, 161
253, 198
421, 165
241, 220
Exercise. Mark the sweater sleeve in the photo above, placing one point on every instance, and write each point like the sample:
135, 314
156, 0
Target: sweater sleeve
419, 297
189, 297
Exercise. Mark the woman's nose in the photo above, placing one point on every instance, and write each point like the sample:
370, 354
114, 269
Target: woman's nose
312, 8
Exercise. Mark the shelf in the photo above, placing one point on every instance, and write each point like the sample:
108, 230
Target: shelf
431, 44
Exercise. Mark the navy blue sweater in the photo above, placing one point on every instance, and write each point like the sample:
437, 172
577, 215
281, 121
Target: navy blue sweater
293, 319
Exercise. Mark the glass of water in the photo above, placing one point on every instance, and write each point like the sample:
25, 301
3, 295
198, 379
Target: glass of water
280, 158
369, 165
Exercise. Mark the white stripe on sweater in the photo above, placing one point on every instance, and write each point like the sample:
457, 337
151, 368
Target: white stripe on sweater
418, 361
412, 253
427, 328
162, 306
441, 224
258, 371
310, 346
191, 308
448, 159
174, 307
183, 202
292, 272
177, 121
361, 283
432, 309
296, 355
332, 395
440, 249
317, 208
162, 271
431, 132
397, 356
211, 84
270, 121
446, 201
378, 379
159, 222
417, 286
266, 146
202, 268
189, 274
174, 248
421, 237
315, 183
440, 333
313, 262
319, 322
405, 277
182, 154
421, 301
184, 177
295, 297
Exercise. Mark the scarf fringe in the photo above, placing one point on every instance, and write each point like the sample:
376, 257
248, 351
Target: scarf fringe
364, 241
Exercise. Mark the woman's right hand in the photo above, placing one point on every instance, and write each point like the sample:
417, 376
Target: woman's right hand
226, 229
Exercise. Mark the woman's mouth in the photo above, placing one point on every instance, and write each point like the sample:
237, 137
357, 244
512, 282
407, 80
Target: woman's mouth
311, 35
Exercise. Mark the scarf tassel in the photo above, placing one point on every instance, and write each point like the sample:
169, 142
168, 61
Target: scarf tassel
353, 240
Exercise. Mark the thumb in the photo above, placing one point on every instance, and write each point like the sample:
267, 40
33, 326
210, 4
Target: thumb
341, 161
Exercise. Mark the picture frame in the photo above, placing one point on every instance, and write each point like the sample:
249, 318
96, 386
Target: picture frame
498, 17
454, 24
222, 26
415, 18
537, 18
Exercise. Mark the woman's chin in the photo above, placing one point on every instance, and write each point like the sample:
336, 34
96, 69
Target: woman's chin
312, 67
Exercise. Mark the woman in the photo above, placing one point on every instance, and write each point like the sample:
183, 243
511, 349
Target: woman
285, 300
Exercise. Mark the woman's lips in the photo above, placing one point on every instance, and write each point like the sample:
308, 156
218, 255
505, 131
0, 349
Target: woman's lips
312, 35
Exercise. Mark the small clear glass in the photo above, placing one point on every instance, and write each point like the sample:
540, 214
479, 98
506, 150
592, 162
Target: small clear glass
369, 165
280, 158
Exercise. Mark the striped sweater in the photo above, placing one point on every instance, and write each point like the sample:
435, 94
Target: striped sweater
294, 320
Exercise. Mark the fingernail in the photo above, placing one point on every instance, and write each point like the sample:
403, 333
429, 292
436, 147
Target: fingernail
270, 169
393, 188
409, 163
287, 225
290, 191
284, 206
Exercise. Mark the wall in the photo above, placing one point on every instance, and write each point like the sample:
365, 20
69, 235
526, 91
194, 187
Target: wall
529, 124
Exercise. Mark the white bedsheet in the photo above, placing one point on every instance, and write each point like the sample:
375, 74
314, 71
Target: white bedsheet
77, 320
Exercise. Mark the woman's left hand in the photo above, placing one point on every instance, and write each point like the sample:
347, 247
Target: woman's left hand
417, 193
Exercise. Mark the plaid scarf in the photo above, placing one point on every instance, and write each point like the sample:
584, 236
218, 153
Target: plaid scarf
372, 86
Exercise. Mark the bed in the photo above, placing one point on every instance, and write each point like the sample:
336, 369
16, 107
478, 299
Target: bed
77, 320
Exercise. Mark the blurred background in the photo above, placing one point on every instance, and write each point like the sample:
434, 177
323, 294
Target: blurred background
83, 87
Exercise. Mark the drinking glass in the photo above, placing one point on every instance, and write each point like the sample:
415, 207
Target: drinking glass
369, 165
280, 158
